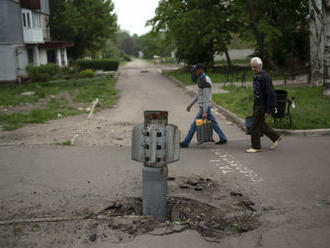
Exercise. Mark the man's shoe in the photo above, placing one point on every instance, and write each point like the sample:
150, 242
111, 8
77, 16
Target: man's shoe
221, 142
183, 145
275, 143
252, 150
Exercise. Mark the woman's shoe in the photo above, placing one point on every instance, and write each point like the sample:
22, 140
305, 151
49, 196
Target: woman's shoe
252, 150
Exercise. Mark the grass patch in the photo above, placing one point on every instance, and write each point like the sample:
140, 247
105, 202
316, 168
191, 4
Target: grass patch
239, 100
311, 112
52, 99
65, 143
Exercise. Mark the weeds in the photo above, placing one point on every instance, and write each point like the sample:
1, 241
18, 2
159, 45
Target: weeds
65, 143
49, 103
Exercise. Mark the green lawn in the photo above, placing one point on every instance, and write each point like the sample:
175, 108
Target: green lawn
51, 99
220, 76
312, 109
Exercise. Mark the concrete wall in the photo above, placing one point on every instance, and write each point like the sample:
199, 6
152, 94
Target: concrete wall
45, 19
11, 30
235, 54
22, 60
45, 27
9, 70
44, 6
43, 56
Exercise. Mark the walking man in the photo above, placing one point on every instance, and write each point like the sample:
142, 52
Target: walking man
264, 104
204, 98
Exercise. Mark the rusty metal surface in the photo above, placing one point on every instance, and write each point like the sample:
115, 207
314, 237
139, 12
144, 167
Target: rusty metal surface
155, 116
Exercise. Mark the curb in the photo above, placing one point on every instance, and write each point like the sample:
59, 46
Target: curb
239, 122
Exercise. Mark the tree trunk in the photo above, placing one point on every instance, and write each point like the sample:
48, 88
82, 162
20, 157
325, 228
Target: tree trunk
326, 64
259, 39
229, 63
316, 42
320, 44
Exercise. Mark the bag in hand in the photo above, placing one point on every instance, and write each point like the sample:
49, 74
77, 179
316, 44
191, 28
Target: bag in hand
204, 131
248, 124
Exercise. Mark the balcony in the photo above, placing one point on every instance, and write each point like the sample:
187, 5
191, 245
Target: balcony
31, 4
33, 35
32, 29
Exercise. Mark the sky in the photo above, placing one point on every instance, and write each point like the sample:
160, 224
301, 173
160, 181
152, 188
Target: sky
133, 14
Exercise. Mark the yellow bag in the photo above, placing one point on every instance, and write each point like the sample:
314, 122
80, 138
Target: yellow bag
200, 122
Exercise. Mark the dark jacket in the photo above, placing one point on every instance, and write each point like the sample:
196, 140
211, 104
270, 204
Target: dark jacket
265, 92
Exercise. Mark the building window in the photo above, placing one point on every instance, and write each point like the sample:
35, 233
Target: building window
24, 20
36, 20
26, 16
31, 19
30, 55
51, 56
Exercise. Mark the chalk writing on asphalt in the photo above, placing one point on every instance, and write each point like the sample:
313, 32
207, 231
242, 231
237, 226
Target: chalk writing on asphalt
228, 164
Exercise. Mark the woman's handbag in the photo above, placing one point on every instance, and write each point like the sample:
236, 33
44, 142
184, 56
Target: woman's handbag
248, 124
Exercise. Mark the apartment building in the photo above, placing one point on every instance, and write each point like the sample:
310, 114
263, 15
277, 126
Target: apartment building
25, 38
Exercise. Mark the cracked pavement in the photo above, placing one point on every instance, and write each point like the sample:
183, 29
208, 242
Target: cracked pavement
290, 186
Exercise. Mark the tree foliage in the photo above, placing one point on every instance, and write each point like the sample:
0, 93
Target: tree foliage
154, 44
86, 23
279, 27
128, 43
201, 28
198, 28
111, 49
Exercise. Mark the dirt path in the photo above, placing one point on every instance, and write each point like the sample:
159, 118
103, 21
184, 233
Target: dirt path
141, 87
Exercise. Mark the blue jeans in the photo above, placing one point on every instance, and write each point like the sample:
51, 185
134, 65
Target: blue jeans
192, 129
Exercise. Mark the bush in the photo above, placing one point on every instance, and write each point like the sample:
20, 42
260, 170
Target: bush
50, 68
65, 69
39, 76
97, 64
127, 58
42, 73
31, 69
88, 73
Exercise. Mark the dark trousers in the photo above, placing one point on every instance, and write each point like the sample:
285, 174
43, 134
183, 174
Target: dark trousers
259, 126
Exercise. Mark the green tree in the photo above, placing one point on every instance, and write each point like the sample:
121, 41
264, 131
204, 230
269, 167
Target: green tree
198, 28
154, 44
128, 43
280, 29
86, 23
111, 49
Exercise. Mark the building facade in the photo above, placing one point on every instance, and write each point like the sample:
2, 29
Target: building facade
25, 38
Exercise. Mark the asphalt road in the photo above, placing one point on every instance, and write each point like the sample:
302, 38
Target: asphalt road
290, 185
